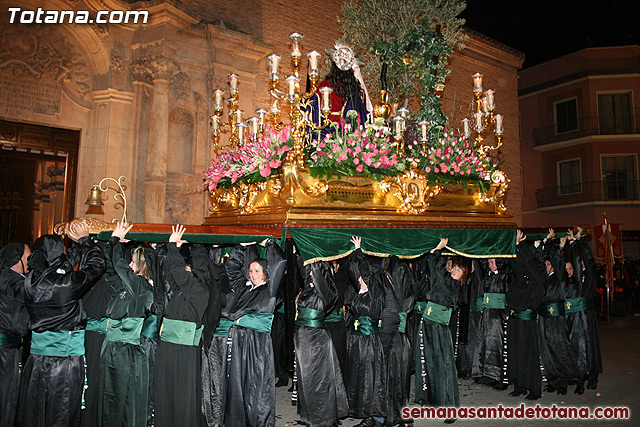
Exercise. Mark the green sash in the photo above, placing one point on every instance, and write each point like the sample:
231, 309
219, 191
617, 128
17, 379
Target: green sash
150, 327
437, 313
99, 326
223, 327
552, 310
58, 343
365, 325
494, 300
335, 316
420, 307
259, 321
522, 315
124, 330
280, 309
309, 317
403, 322
9, 340
180, 332
573, 305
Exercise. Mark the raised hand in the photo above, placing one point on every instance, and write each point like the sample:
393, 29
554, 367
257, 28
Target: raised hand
357, 241
121, 230
176, 235
77, 231
520, 236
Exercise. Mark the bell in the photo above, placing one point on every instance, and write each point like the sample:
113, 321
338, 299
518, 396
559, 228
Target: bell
94, 198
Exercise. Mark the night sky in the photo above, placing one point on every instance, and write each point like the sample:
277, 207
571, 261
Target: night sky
544, 30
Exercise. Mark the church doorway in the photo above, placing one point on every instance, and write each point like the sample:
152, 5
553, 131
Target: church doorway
38, 167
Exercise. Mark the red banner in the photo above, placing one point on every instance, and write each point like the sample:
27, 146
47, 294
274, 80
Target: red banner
612, 232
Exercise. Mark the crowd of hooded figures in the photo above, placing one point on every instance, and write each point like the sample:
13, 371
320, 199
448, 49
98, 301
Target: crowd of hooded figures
119, 333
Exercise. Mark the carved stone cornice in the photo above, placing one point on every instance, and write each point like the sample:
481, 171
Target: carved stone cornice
161, 67
139, 72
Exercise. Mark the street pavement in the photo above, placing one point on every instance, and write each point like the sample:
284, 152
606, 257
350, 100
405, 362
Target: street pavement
619, 386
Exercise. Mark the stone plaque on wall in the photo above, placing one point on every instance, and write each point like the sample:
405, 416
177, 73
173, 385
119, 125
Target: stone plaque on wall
23, 95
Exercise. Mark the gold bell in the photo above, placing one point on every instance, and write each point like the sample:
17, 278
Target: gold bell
94, 198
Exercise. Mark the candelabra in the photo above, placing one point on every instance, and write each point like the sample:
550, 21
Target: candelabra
299, 120
485, 122
234, 125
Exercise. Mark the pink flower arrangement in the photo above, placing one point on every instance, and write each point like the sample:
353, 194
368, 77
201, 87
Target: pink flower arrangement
453, 160
254, 161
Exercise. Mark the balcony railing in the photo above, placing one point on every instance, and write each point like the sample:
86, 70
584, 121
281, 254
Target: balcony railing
587, 192
587, 126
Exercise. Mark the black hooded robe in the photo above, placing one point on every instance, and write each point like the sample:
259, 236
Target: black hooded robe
51, 386
475, 292
248, 376
14, 320
177, 366
322, 398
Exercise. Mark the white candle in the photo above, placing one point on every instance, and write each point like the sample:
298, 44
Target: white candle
214, 124
313, 62
275, 110
238, 114
292, 82
423, 127
398, 122
254, 123
479, 126
217, 96
241, 127
296, 38
403, 112
477, 82
485, 105
261, 112
499, 126
274, 64
233, 83
466, 127
326, 92
489, 95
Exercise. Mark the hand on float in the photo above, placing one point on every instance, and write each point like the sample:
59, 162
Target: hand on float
176, 235
551, 235
77, 231
264, 242
580, 232
121, 230
570, 235
563, 241
444, 241
520, 236
357, 241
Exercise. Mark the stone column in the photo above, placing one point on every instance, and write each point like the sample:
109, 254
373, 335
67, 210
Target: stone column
162, 69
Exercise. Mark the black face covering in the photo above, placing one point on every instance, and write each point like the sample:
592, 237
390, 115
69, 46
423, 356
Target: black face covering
10, 254
47, 255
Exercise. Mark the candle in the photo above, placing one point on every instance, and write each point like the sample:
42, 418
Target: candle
238, 114
233, 83
313, 62
477, 83
274, 64
217, 99
404, 111
466, 127
424, 127
398, 122
296, 38
261, 112
254, 123
275, 110
485, 105
499, 127
479, 126
292, 82
489, 95
214, 124
241, 127
326, 92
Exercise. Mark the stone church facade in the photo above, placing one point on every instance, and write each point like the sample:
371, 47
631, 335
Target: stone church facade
138, 97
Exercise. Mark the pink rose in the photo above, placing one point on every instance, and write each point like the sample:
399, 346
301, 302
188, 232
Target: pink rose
359, 169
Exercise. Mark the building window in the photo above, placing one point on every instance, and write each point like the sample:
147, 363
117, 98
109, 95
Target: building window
566, 113
569, 177
619, 177
615, 113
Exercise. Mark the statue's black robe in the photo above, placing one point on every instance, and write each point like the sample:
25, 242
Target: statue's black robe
51, 386
14, 320
589, 280
177, 367
365, 376
558, 359
94, 304
248, 388
490, 356
124, 371
525, 293
399, 360
437, 361
322, 398
475, 290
